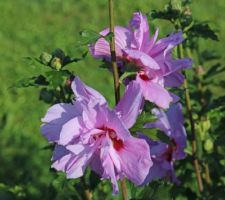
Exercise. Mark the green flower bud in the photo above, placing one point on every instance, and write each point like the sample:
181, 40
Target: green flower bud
45, 58
56, 63
206, 125
176, 5
208, 145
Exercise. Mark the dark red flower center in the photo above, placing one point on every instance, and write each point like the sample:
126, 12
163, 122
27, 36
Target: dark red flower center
117, 143
144, 76
169, 152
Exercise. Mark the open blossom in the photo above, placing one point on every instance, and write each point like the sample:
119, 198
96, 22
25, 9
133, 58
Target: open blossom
89, 133
164, 155
153, 59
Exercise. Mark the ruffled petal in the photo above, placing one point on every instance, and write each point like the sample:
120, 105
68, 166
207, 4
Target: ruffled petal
86, 93
177, 65
117, 125
141, 59
129, 106
155, 93
107, 164
139, 24
59, 152
101, 48
70, 130
164, 45
56, 116
175, 79
135, 159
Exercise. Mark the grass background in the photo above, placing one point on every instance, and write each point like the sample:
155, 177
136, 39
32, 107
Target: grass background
28, 27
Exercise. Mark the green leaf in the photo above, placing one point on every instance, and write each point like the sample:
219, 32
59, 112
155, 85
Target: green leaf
109, 36
57, 78
46, 95
143, 118
208, 55
214, 70
94, 180
88, 37
202, 29
45, 58
217, 104
33, 81
156, 135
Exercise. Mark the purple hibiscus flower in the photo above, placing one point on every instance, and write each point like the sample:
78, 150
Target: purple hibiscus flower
88, 132
151, 58
164, 155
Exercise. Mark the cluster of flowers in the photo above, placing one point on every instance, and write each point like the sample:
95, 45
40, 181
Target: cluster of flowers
89, 133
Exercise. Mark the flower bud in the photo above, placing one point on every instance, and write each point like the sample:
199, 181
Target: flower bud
56, 63
176, 5
208, 145
45, 58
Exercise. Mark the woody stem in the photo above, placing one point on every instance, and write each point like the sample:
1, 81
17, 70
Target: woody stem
192, 124
113, 53
115, 76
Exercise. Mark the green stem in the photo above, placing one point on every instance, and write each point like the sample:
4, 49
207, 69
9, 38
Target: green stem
115, 77
200, 87
192, 124
87, 193
113, 53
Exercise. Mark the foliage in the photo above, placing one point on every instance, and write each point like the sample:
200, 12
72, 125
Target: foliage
24, 172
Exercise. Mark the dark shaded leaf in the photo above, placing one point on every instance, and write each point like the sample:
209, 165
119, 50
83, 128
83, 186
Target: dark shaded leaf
208, 55
202, 29
57, 78
46, 95
94, 180
214, 70
33, 81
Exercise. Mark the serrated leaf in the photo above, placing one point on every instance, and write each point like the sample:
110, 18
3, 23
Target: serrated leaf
33, 81
156, 135
202, 29
217, 103
143, 118
88, 37
57, 78
208, 55
214, 70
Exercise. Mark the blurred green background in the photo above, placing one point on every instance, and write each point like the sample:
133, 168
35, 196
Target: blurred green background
28, 27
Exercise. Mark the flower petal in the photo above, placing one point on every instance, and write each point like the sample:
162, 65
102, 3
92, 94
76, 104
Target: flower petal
174, 80
129, 106
117, 125
101, 48
164, 45
107, 164
56, 116
135, 159
141, 59
155, 93
139, 24
85, 93
70, 130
